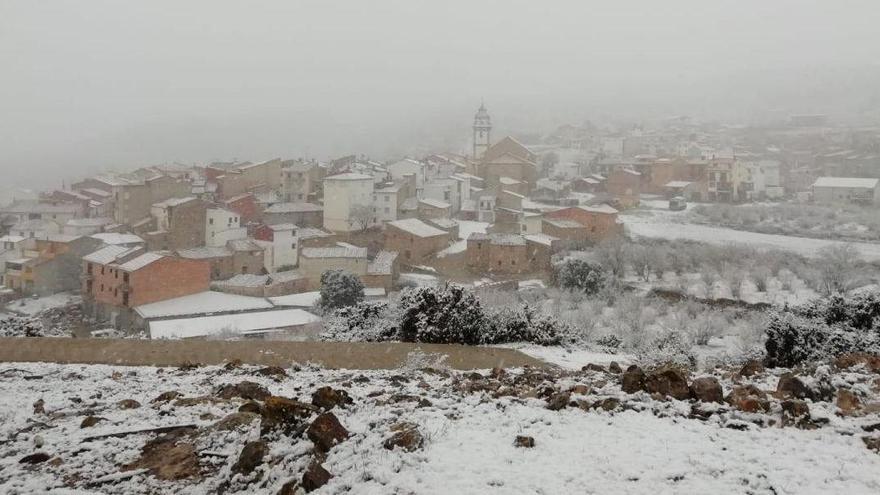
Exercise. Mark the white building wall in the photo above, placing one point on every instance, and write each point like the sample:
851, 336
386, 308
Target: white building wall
285, 249
222, 226
341, 196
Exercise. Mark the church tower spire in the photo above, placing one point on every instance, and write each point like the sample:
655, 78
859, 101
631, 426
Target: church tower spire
482, 131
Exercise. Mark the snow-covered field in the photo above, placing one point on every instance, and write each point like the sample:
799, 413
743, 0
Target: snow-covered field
31, 306
662, 226
467, 424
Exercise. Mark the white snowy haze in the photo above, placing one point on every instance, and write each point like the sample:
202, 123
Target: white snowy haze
87, 85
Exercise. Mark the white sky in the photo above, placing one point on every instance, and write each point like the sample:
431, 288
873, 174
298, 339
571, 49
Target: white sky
99, 83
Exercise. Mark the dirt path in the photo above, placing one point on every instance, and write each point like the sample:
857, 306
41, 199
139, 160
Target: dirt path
176, 352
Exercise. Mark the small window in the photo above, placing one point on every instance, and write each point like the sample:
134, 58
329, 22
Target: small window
210, 221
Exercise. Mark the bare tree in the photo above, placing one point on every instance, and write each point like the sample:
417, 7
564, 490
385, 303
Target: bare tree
837, 268
361, 216
614, 254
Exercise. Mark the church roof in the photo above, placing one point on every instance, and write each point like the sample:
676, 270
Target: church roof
511, 146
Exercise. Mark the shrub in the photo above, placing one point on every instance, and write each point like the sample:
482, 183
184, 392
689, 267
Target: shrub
340, 288
524, 325
580, 275
364, 322
668, 347
824, 329
444, 315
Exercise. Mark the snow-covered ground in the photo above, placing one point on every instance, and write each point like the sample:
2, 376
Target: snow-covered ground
661, 226
641, 446
570, 357
31, 306
418, 279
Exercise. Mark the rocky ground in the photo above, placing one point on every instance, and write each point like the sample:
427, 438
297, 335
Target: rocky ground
602, 429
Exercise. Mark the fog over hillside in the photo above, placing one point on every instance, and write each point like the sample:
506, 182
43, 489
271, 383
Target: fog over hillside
101, 85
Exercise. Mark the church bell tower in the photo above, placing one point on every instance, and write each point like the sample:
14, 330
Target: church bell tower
482, 131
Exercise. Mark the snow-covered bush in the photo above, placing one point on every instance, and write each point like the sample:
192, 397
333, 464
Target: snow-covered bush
824, 329
576, 274
340, 288
667, 347
524, 324
441, 315
366, 321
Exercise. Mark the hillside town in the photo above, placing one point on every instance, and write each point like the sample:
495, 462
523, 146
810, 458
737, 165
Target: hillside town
183, 251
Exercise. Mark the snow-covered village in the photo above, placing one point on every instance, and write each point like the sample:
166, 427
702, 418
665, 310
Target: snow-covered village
439, 248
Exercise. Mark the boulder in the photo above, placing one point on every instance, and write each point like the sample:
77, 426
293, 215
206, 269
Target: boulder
40, 407
166, 397
315, 477
36, 458
284, 413
91, 421
668, 381
594, 367
326, 431
848, 402
795, 411
580, 389
614, 368
289, 488
790, 386
633, 380
251, 407
168, 457
251, 456
524, 442
849, 360
406, 436
558, 401
128, 404
707, 389
273, 371
748, 398
497, 373
752, 368
327, 398
245, 390
235, 421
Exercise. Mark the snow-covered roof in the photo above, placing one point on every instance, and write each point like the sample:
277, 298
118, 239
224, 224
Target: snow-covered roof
416, 227
12, 238
173, 202
310, 232
89, 222
243, 280
499, 239
202, 303
282, 226
241, 323
97, 192
204, 252
376, 292
509, 181
334, 252
63, 238
293, 208
544, 239
301, 300
117, 238
847, 182
382, 263
677, 184
435, 203
140, 262
603, 208
243, 245
349, 176
563, 223
443, 223
108, 254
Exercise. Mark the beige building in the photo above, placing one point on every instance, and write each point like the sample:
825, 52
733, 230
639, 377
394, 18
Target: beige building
348, 202
313, 262
846, 190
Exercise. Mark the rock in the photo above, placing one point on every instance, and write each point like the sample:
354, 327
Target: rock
871, 361
233, 365
593, 367
128, 404
284, 413
558, 401
235, 421
315, 477
406, 436
580, 389
608, 404
707, 389
524, 442
188, 366
614, 368
327, 398
274, 371
752, 368
668, 381
91, 421
848, 402
424, 403
748, 398
36, 458
633, 380
497, 373
166, 396
251, 407
168, 458
197, 401
326, 431
40, 407
795, 412
289, 488
790, 386
245, 390
873, 443
251, 456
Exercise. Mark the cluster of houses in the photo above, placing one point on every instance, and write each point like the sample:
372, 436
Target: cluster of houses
191, 251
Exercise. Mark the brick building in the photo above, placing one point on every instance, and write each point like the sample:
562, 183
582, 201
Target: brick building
572, 234
497, 253
414, 239
600, 221
246, 207
179, 224
624, 185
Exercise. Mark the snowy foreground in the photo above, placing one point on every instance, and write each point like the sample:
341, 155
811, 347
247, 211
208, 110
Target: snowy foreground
424, 431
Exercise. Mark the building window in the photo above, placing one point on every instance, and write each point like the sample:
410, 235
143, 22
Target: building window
210, 221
